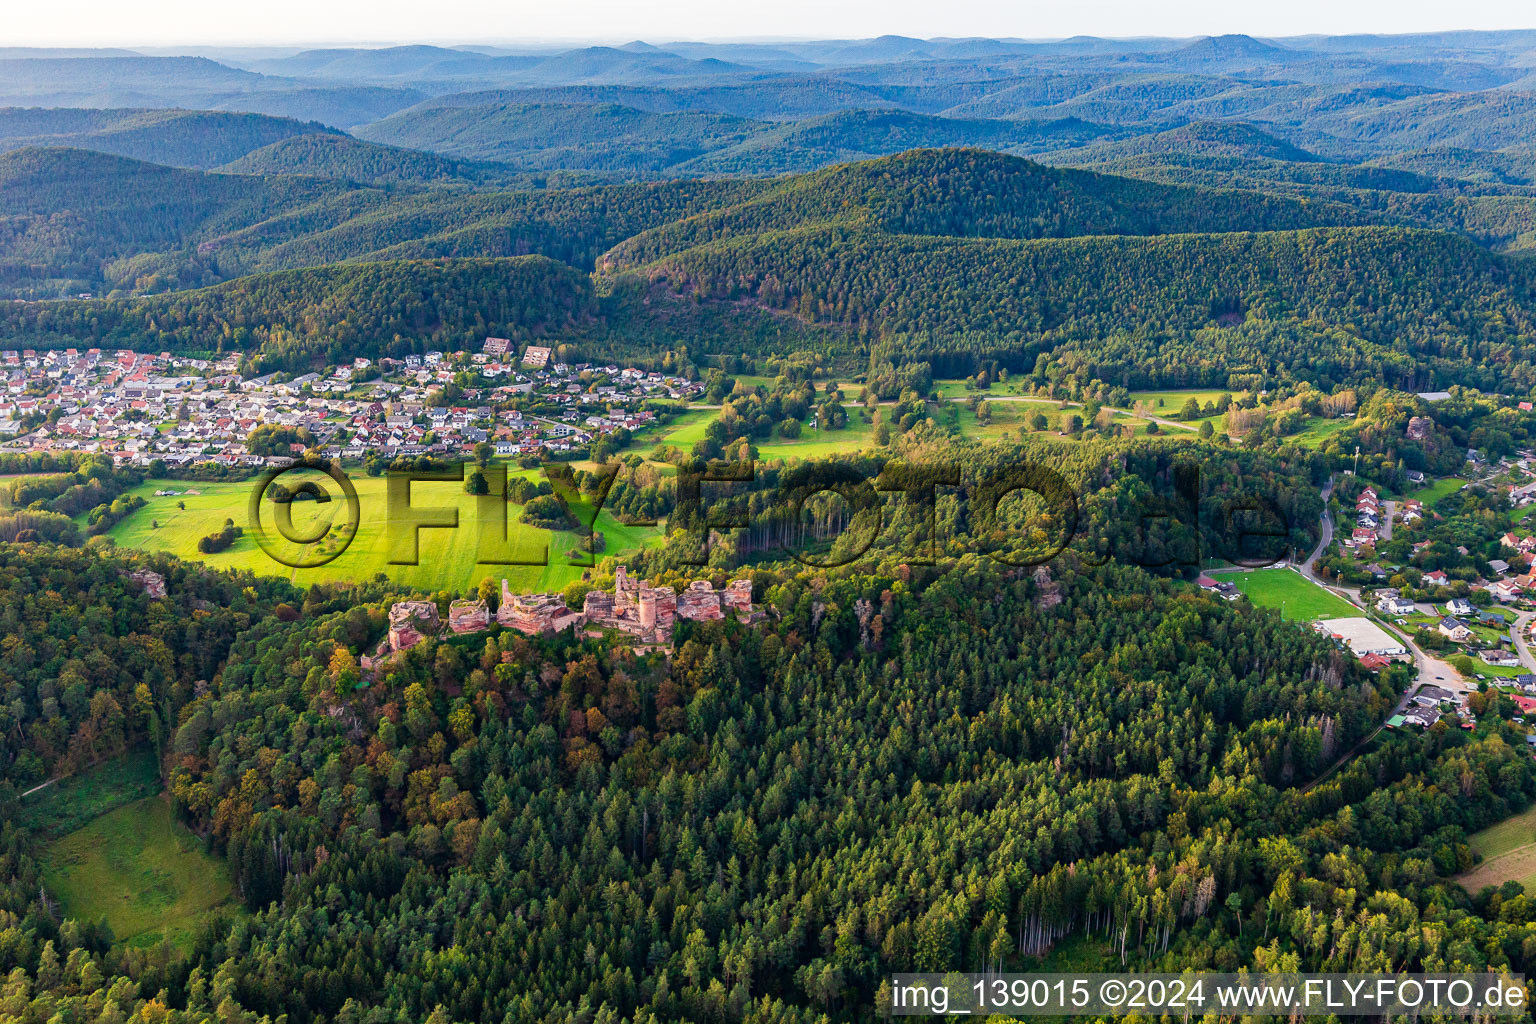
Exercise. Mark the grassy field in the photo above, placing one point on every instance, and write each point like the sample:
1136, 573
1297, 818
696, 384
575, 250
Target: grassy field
955, 388
1318, 430
447, 559
1297, 598
63, 806
688, 429
1508, 850
814, 444
141, 870
685, 430
1437, 490
1495, 672
1168, 403
1008, 416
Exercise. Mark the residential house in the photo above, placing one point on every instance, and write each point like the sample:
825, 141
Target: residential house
1455, 630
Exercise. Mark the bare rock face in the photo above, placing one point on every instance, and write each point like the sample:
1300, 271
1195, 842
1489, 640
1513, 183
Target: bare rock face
1048, 591
411, 622
468, 616
1420, 428
152, 582
864, 610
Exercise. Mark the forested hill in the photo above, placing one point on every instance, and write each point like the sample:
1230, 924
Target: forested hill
328, 314
977, 193
179, 138
93, 218
73, 220
1209, 138
1410, 307
333, 155
956, 256
1088, 761
815, 142
572, 136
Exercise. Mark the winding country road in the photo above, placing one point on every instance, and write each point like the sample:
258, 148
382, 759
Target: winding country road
1325, 534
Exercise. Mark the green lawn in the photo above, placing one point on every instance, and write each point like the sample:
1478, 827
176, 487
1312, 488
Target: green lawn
688, 429
447, 559
1297, 598
954, 387
1173, 400
813, 444
685, 430
1498, 671
141, 870
1168, 403
1431, 494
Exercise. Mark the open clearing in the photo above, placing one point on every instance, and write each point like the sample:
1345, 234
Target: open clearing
141, 870
1509, 854
447, 559
1298, 599
1318, 430
68, 803
1509, 834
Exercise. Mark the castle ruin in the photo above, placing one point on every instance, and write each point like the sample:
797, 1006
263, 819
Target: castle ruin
468, 616
411, 622
634, 607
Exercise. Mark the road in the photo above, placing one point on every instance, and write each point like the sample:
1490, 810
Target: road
1343, 758
1325, 534
1432, 670
1521, 620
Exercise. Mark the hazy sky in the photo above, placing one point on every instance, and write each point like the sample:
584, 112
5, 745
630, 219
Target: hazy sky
174, 22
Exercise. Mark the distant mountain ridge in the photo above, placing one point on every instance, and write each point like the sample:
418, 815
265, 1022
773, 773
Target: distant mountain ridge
177, 138
334, 155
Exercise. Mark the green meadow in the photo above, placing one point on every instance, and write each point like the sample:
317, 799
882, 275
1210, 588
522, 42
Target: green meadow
1508, 850
445, 559
63, 805
1318, 430
141, 870
1168, 403
1436, 490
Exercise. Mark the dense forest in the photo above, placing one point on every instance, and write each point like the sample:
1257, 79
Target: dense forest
1406, 307
179, 138
301, 317
962, 766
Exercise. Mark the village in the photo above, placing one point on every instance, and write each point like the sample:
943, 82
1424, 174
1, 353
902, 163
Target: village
635, 611
158, 410
1420, 576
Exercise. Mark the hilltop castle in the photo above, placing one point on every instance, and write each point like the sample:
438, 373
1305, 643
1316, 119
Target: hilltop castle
634, 607
649, 613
